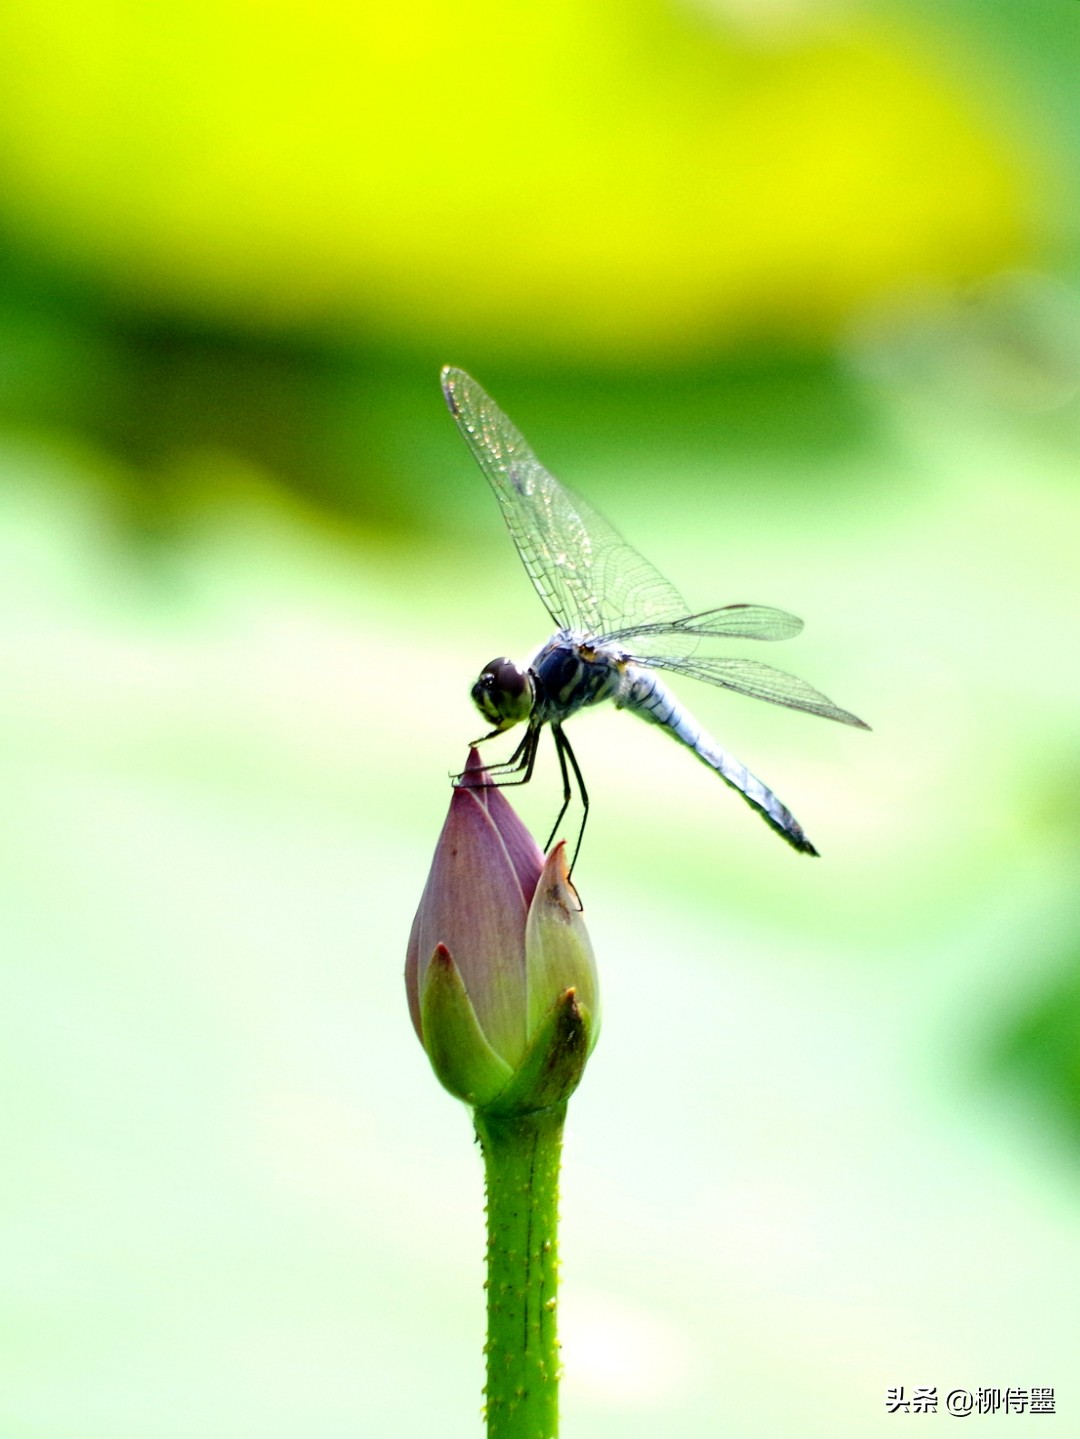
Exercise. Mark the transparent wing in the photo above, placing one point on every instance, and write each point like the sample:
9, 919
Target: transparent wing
733, 622
761, 682
588, 577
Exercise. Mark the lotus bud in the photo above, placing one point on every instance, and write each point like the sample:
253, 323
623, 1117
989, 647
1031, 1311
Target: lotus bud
499, 973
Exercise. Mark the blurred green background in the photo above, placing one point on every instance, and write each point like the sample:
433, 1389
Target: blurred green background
791, 290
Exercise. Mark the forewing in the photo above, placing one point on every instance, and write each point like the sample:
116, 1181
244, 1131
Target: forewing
734, 622
761, 682
588, 577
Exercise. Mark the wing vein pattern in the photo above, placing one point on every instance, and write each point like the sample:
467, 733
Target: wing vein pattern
588, 577
761, 682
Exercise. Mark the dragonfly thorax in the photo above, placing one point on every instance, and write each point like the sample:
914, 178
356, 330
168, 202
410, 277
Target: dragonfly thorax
571, 671
504, 693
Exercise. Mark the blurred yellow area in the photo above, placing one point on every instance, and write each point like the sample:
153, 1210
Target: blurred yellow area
594, 180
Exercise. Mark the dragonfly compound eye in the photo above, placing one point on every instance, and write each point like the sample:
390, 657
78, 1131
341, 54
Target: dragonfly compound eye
503, 693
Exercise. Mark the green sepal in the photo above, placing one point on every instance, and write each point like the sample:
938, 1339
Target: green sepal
463, 1061
553, 1063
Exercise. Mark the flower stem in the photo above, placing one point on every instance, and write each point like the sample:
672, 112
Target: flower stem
521, 1163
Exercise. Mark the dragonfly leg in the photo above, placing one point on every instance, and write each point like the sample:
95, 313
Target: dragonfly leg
518, 769
563, 750
521, 762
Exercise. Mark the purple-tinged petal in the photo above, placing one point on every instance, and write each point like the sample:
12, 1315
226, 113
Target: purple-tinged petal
475, 904
525, 854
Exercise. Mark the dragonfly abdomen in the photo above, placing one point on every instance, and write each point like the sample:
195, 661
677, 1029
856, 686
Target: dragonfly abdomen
646, 695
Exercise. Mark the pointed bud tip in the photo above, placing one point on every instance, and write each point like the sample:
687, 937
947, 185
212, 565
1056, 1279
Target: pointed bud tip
474, 775
555, 880
573, 1012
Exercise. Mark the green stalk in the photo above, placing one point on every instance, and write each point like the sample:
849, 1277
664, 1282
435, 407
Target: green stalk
521, 1164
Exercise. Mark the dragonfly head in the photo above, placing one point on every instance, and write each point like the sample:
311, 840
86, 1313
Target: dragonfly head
503, 694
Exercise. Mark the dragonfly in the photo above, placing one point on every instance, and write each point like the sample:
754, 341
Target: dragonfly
618, 622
